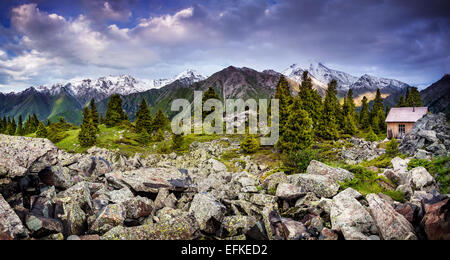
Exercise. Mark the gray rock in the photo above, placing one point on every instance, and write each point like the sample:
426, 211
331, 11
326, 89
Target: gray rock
391, 224
23, 154
208, 212
321, 185
150, 179
351, 218
10, 225
111, 216
296, 230
336, 174
217, 166
421, 179
41, 226
289, 191
61, 177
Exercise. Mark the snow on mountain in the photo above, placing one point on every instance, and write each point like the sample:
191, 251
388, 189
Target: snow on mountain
372, 83
322, 75
103, 87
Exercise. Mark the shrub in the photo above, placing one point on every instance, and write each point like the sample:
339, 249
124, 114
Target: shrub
177, 142
144, 137
371, 136
163, 148
250, 144
41, 131
392, 147
299, 160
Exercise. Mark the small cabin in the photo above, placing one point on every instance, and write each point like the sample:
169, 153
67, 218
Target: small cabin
401, 120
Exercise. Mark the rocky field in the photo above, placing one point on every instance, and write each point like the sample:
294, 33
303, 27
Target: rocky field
47, 193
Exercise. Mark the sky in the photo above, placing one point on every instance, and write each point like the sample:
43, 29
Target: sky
50, 41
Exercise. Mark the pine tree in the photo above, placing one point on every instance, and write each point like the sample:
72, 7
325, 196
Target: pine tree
160, 121
49, 123
392, 147
401, 102
88, 133
414, 99
143, 118
94, 114
349, 113
144, 137
377, 114
250, 144
311, 99
2, 125
114, 111
177, 141
41, 131
283, 94
297, 131
364, 117
159, 136
12, 126
371, 136
328, 125
20, 131
209, 94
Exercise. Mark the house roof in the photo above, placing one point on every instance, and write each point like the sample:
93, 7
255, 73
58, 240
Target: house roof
406, 114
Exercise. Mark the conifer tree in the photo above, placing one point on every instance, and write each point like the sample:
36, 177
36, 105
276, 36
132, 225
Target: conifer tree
88, 133
328, 125
114, 111
49, 123
20, 131
209, 94
159, 135
371, 136
160, 121
297, 131
414, 99
250, 144
2, 125
377, 114
11, 129
349, 113
143, 118
364, 117
94, 113
311, 99
144, 137
283, 94
401, 102
41, 131
392, 147
177, 141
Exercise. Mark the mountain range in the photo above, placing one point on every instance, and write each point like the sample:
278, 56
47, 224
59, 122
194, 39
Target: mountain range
67, 99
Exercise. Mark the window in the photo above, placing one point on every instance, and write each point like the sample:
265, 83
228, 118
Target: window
401, 130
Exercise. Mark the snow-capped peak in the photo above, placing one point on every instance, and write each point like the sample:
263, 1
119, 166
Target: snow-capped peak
103, 87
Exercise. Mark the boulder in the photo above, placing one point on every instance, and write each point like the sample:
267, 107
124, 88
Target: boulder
61, 177
391, 224
289, 191
150, 179
276, 230
135, 207
176, 225
400, 165
336, 174
10, 225
71, 215
247, 225
21, 155
274, 180
295, 230
111, 216
217, 166
411, 212
436, 221
322, 186
351, 218
41, 226
208, 212
420, 179
328, 234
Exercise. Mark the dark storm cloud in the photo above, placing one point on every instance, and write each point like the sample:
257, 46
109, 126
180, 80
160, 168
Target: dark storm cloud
407, 40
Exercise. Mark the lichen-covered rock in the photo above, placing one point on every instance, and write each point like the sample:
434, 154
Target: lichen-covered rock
61, 177
272, 181
351, 218
41, 226
328, 234
289, 191
421, 179
436, 221
276, 230
150, 179
238, 225
321, 185
111, 216
295, 230
208, 212
336, 174
71, 215
391, 224
178, 225
135, 207
20, 155
10, 225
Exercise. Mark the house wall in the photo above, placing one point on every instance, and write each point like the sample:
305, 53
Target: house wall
394, 128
